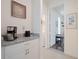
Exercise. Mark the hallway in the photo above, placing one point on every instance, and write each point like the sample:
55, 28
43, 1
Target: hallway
53, 54
52, 19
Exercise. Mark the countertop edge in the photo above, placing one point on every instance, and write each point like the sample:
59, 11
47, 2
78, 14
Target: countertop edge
19, 40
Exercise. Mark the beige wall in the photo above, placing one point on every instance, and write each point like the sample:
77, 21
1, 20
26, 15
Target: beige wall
71, 40
7, 19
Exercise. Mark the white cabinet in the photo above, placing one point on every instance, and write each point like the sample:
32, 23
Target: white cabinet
33, 49
14, 51
25, 50
2, 53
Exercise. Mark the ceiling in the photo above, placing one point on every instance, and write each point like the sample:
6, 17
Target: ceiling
48, 2
60, 9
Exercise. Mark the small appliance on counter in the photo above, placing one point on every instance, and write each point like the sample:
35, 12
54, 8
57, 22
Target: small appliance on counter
11, 33
27, 34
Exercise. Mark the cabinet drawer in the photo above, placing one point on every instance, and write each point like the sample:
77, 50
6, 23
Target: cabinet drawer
32, 43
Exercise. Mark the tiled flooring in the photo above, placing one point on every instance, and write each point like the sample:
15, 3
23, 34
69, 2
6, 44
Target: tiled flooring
58, 48
53, 54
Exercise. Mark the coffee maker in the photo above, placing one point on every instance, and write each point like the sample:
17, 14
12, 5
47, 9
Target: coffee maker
11, 32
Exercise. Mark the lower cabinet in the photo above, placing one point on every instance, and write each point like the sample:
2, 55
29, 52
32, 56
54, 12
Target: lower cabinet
25, 50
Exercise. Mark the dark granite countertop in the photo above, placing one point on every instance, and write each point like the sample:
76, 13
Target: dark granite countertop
19, 40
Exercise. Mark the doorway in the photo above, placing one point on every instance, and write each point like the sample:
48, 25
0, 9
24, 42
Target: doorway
56, 28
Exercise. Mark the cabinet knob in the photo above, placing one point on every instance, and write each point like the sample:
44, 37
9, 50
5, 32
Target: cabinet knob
27, 51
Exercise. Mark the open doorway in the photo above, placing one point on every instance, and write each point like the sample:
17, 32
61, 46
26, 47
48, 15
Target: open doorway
56, 28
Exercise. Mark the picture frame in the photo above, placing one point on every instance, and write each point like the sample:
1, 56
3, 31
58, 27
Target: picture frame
18, 10
71, 21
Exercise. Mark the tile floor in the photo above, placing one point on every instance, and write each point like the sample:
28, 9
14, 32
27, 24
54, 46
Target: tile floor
58, 48
53, 54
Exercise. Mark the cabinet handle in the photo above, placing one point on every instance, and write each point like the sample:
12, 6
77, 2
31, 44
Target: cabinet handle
27, 51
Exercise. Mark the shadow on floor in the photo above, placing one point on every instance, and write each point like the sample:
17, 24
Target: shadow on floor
58, 47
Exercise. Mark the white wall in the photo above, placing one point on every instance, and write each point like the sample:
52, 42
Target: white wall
71, 38
44, 25
62, 28
36, 15
7, 19
55, 3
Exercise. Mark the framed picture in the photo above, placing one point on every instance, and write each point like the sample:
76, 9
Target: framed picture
71, 21
18, 10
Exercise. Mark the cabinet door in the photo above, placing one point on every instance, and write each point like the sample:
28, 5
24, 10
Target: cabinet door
33, 50
15, 52
26, 50
2, 52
